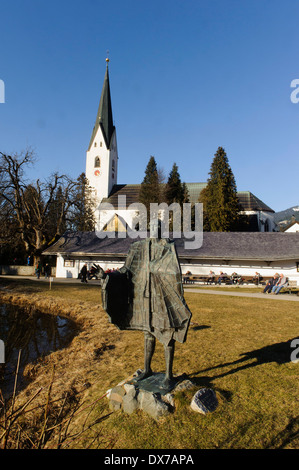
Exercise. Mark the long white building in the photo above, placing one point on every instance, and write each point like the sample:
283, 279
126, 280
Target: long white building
241, 252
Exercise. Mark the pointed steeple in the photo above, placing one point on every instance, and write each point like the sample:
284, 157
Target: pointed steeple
104, 117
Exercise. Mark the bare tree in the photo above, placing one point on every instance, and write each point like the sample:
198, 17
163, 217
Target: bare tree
39, 211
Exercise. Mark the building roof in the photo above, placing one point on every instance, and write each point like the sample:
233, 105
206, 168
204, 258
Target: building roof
104, 117
130, 191
295, 222
266, 246
247, 200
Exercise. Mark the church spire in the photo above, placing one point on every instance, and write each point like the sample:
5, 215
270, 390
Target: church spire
104, 117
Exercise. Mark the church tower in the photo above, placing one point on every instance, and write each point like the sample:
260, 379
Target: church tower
101, 156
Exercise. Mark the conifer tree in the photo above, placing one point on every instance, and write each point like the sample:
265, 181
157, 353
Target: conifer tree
219, 198
81, 213
150, 188
185, 193
174, 190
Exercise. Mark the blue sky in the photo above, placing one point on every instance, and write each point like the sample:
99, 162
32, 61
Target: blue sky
186, 77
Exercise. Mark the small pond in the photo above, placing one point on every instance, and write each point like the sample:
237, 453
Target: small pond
35, 333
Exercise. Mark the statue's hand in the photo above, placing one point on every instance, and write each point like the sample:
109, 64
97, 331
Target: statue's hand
122, 270
101, 273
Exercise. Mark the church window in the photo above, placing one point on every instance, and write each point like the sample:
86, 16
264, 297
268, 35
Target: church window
101, 144
95, 144
97, 162
113, 165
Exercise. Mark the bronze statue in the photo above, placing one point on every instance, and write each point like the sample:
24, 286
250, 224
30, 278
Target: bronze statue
147, 294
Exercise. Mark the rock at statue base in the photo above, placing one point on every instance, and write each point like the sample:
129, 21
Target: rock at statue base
204, 401
130, 403
116, 395
152, 404
130, 396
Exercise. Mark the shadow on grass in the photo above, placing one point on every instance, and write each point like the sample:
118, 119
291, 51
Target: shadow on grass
278, 352
196, 326
287, 436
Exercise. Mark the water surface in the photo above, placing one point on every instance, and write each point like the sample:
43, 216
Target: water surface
35, 333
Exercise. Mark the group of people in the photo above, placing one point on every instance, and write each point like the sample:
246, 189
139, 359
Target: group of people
234, 278
38, 270
86, 273
275, 284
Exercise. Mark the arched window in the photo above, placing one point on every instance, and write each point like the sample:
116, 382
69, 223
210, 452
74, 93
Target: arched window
113, 165
97, 162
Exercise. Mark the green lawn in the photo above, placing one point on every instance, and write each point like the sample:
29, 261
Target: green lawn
239, 347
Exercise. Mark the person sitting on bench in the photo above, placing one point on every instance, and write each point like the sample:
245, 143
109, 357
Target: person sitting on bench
282, 282
211, 277
271, 283
221, 277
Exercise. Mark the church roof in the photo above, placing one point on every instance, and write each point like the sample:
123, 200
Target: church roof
265, 246
247, 200
104, 117
131, 191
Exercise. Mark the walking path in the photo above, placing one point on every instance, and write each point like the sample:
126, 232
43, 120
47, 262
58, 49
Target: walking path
214, 291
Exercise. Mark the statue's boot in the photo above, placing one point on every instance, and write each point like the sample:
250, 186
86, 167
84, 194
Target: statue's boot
169, 355
149, 349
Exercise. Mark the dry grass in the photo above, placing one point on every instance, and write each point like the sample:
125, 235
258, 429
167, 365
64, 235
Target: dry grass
240, 347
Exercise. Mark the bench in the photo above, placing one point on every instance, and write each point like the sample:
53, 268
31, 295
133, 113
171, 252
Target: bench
291, 287
262, 280
192, 278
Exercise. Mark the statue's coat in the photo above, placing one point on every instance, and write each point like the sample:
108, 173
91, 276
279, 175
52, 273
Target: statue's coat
147, 293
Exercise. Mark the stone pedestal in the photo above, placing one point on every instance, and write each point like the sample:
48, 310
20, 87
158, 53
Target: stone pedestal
148, 394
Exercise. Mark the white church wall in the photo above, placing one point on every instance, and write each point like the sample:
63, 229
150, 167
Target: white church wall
102, 178
97, 149
266, 222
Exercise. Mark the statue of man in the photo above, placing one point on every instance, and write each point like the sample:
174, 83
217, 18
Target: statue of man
147, 294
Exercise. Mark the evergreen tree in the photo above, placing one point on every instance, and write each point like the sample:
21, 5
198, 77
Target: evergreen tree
81, 213
185, 193
150, 187
219, 198
175, 191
